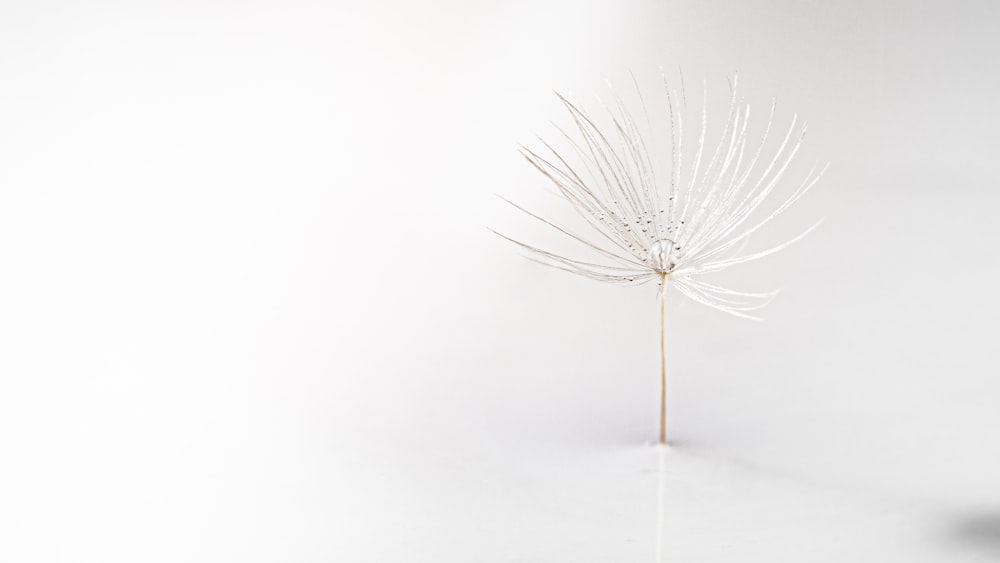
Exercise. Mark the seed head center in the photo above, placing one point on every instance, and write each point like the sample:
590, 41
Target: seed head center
664, 255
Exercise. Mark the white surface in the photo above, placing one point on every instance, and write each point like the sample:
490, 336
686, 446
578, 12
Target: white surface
250, 311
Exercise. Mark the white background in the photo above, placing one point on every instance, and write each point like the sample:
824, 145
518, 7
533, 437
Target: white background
250, 309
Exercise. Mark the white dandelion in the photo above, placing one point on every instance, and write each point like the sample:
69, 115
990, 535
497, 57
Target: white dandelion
675, 225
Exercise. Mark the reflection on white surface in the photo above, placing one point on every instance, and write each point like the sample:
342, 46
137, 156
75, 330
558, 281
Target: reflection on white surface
661, 477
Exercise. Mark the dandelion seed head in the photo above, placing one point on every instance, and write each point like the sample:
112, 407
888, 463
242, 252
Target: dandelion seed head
677, 214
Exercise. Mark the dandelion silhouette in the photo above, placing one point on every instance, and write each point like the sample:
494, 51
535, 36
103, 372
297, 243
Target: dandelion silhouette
676, 227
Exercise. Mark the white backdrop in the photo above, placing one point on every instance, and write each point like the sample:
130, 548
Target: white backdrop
250, 309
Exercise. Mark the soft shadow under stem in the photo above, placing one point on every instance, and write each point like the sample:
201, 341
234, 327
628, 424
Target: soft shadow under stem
663, 361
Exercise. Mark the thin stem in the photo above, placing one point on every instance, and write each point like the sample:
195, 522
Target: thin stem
663, 361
